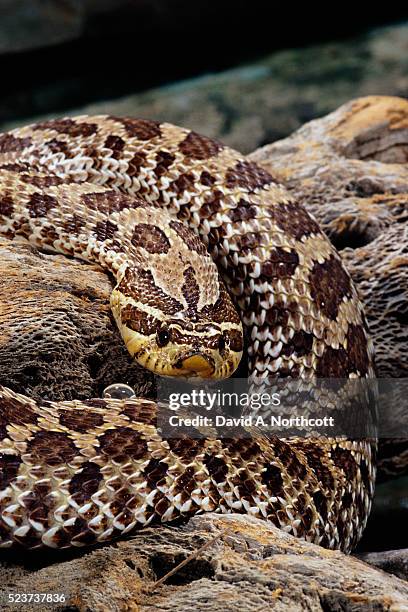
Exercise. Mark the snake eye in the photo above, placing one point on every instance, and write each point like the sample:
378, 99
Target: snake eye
221, 343
163, 337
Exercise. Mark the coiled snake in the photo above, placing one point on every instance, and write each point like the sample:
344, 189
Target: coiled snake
156, 205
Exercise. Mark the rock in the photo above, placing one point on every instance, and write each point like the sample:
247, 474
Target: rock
57, 336
350, 170
391, 561
246, 564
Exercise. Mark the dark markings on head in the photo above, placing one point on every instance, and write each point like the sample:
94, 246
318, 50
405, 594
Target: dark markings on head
164, 160
68, 126
85, 483
9, 465
272, 478
116, 144
110, 201
105, 230
329, 284
300, 344
199, 147
193, 241
216, 466
343, 459
142, 129
151, 238
234, 339
51, 447
357, 350
281, 263
40, 204
81, 420
223, 309
139, 321
123, 442
140, 285
191, 289
248, 175
11, 144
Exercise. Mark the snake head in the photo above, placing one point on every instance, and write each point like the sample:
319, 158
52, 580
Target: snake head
192, 343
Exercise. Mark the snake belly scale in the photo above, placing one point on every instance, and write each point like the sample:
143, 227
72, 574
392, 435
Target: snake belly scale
132, 195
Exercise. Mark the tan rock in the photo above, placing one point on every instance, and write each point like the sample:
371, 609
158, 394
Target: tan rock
247, 565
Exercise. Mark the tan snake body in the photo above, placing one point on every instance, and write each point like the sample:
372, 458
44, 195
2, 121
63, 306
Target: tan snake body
132, 195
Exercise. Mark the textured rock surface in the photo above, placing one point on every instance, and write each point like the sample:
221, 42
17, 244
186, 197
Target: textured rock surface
249, 565
57, 335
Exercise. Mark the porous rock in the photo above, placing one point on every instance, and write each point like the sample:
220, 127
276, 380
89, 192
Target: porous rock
58, 339
247, 565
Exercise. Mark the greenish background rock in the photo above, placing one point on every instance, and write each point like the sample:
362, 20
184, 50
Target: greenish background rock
258, 103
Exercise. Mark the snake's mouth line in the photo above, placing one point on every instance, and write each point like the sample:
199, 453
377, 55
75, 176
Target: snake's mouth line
196, 364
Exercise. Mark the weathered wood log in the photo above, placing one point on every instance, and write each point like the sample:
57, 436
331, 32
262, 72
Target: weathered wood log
246, 564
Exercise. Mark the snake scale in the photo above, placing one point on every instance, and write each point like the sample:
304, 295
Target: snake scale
182, 222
